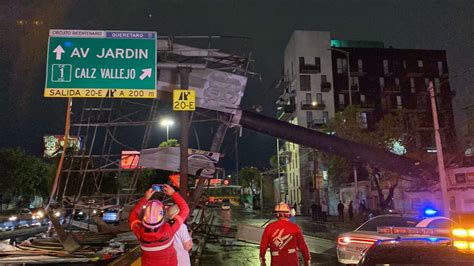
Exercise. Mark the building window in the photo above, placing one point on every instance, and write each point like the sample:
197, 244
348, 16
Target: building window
341, 64
309, 117
308, 98
301, 60
404, 64
397, 81
440, 68
325, 117
305, 82
412, 85
360, 65
385, 66
341, 99
399, 102
355, 83
319, 98
420, 63
362, 98
317, 64
427, 82
324, 79
437, 86
382, 82
363, 120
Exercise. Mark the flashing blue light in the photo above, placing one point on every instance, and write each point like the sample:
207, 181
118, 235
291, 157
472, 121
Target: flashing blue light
433, 239
430, 212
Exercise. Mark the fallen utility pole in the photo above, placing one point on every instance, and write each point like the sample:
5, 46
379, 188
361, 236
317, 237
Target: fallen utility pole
331, 144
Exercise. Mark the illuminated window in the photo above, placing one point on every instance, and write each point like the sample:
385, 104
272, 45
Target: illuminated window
341, 99
341, 64
437, 86
399, 102
355, 83
412, 85
440, 68
37, 22
21, 22
420, 63
382, 82
363, 120
362, 98
404, 64
397, 81
385, 66
360, 66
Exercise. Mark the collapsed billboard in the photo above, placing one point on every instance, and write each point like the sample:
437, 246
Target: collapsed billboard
215, 90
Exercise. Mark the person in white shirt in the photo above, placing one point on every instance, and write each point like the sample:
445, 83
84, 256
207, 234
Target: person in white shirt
182, 241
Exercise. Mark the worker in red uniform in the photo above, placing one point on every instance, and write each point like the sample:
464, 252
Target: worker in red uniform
284, 239
156, 236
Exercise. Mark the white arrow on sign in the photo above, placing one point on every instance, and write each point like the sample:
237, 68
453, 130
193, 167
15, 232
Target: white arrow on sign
146, 73
58, 51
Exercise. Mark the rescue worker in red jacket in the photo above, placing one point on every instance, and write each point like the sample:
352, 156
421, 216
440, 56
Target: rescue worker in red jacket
154, 234
284, 239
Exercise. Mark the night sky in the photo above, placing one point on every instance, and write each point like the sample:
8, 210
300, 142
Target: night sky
25, 116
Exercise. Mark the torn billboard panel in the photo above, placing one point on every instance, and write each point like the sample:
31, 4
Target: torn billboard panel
200, 163
215, 90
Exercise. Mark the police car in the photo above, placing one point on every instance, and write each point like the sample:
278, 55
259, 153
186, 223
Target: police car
415, 251
351, 245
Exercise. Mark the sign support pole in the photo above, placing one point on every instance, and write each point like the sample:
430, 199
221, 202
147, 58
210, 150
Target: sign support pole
184, 135
439, 153
54, 189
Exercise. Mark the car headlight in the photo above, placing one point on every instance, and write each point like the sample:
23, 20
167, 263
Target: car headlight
12, 218
39, 214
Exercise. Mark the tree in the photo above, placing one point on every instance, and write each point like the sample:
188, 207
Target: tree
23, 175
390, 132
169, 143
250, 178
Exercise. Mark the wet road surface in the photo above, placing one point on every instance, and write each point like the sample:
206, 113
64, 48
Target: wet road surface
227, 251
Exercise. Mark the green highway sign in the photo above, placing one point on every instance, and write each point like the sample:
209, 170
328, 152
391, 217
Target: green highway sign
100, 64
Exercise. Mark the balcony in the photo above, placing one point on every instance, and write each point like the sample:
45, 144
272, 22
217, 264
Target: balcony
325, 86
318, 123
312, 105
357, 72
310, 69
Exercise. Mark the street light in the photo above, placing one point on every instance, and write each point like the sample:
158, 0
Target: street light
354, 168
166, 122
348, 71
